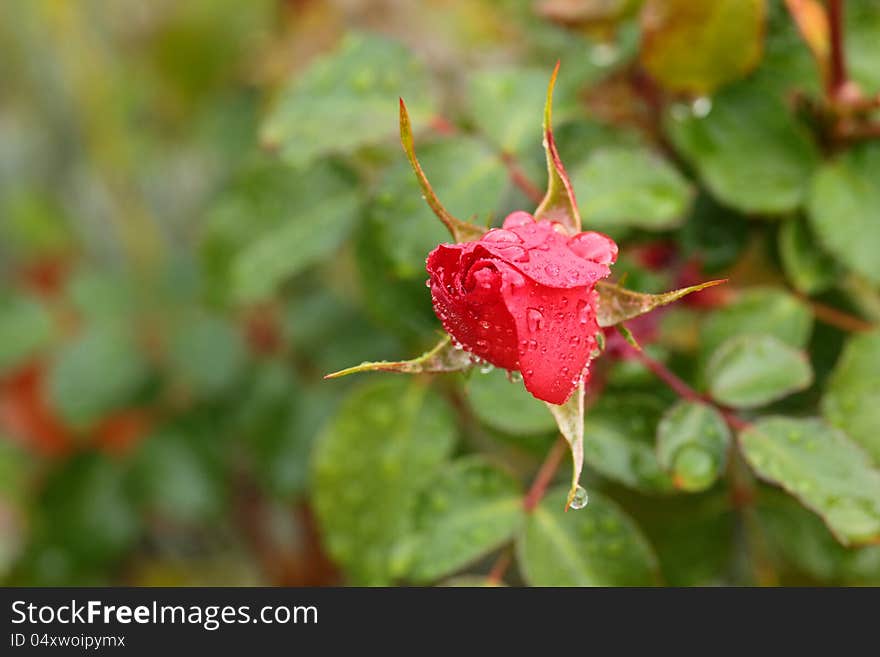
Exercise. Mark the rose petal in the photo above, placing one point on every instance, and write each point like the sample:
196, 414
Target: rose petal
473, 314
596, 247
522, 298
556, 330
544, 255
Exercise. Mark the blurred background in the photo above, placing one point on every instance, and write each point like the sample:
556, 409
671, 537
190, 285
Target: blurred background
204, 208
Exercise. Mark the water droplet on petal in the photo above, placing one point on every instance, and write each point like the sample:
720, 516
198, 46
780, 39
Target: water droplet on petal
552, 270
535, 319
580, 499
518, 219
596, 247
503, 236
583, 309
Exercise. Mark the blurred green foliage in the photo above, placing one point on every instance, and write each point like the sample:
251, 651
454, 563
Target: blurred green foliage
204, 209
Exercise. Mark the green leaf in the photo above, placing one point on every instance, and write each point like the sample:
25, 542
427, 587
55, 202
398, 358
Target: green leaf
844, 209
631, 187
95, 373
698, 46
99, 297
206, 355
85, 507
617, 304
444, 357
460, 230
346, 100
274, 222
694, 536
369, 465
748, 150
809, 269
559, 203
279, 421
16, 470
759, 311
753, 370
713, 234
692, 442
799, 539
25, 327
469, 509
852, 396
505, 104
507, 406
619, 441
821, 467
173, 480
596, 546
862, 44
570, 420
464, 171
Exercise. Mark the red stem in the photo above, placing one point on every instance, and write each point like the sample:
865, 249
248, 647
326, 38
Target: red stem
684, 391
838, 77
500, 567
545, 474
838, 318
519, 178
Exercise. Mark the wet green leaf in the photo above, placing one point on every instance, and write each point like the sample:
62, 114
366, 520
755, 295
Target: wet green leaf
807, 266
464, 172
692, 442
748, 150
505, 104
466, 511
753, 370
821, 467
507, 406
619, 441
324, 207
801, 542
369, 465
596, 546
630, 187
852, 396
844, 209
758, 311
347, 100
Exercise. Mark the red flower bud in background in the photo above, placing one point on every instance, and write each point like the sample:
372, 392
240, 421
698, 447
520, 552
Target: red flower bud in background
522, 298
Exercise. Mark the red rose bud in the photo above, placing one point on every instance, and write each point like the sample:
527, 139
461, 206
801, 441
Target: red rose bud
522, 298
